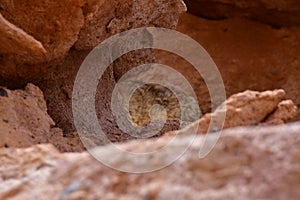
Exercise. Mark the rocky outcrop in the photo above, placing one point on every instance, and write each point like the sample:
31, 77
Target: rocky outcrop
277, 13
15, 40
247, 108
55, 24
65, 34
105, 18
24, 121
24, 117
45, 42
44, 32
246, 163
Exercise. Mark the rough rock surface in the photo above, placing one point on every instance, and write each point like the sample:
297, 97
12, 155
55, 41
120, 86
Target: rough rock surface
285, 111
24, 121
55, 24
15, 40
247, 108
276, 12
69, 32
246, 163
23, 117
58, 25
105, 18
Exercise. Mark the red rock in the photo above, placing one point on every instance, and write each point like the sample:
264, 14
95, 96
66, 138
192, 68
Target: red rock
247, 108
277, 12
24, 121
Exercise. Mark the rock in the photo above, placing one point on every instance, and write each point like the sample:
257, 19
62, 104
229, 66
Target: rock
106, 18
277, 12
63, 143
15, 40
285, 111
246, 53
57, 83
23, 117
250, 107
24, 121
246, 163
55, 26
247, 108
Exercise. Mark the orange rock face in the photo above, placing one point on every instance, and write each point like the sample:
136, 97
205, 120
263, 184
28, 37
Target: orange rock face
24, 121
47, 30
24, 117
66, 33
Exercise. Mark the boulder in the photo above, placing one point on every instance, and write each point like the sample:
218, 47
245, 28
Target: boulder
24, 121
246, 163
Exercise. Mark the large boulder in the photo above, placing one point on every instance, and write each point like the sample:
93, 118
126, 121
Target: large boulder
45, 31
53, 37
246, 163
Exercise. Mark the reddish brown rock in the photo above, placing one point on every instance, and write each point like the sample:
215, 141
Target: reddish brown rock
59, 25
277, 12
249, 55
23, 118
24, 121
285, 111
105, 18
247, 108
55, 24
15, 40
246, 163
58, 82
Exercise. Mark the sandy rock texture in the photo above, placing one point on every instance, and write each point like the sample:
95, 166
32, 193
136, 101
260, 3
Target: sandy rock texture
24, 121
24, 116
54, 24
277, 12
52, 27
68, 32
246, 163
248, 108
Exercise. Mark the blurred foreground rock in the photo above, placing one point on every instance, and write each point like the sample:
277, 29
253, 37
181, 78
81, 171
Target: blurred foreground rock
246, 163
